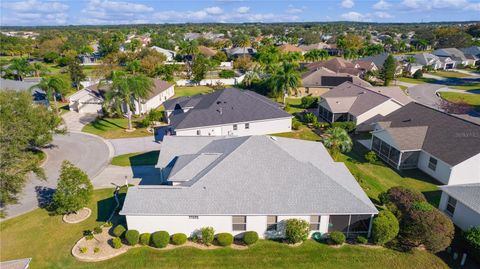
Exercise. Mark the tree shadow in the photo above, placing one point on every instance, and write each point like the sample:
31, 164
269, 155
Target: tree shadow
44, 196
147, 158
106, 206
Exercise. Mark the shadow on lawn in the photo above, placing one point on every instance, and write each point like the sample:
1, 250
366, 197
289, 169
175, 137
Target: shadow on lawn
106, 206
147, 158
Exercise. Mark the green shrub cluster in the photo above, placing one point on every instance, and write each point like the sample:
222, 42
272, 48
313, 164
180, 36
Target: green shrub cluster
83, 250
418, 74
179, 239
472, 238
117, 242
119, 230
250, 238
346, 125
132, 237
296, 124
310, 118
208, 234
96, 250
362, 239
224, 239
97, 230
385, 227
160, 239
309, 102
226, 74
371, 157
297, 230
336, 238
145, 239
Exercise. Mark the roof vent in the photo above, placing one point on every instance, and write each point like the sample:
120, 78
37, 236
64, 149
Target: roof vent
219, 102
407, 120
220, 110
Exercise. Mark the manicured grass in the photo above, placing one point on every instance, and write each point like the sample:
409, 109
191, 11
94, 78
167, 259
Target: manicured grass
415, 81
404, 88
139, 158
294, 105
471, 87
114, 128
471, 99
48, 240
190, 91
449, 74
303, 133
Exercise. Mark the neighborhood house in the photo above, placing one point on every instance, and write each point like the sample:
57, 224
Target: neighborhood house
462, 204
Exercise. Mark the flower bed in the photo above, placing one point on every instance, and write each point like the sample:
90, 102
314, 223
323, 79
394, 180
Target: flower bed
78, 216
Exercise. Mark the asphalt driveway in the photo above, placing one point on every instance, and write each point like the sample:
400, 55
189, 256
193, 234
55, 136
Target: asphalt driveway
426, 94
89, 153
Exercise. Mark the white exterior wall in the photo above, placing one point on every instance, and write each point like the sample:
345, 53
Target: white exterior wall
256, 128
442, 171
463, 216
204, 82
465, 172
154, 102
221, 224
383, 109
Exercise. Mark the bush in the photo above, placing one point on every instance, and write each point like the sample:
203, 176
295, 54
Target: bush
346, 125
362, 239
89, 237
132, 237
224, 239
400, 199
160, 239
83, 250
117, 242
371, 157
179, 239
310, 118
309, 102
208, 234
418, 74
250, 238
98, 230
295, 124
385, 227
297, 230
108, 224
119, 230
145, 239
472, 238
336, 238
96, 250
226, 74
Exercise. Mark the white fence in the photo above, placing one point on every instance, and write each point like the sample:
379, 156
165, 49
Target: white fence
207, 82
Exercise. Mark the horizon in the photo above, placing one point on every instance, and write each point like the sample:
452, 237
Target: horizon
40, 13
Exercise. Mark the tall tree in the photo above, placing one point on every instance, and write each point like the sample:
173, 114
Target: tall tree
337, 140
24, 128
75, 71
21, 67
53, 86
286, 80
38, 68
388, 70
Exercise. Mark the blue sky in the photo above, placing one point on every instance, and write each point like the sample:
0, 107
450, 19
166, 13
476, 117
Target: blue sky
94, 12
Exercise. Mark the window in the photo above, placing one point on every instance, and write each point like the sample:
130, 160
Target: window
272, 222
432, 163
451, 204
247, 125
193, 217
314, 223
235, 127
239, 223
199, 132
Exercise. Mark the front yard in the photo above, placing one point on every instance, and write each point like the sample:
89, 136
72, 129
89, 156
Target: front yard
111, 128
471, 99
48, 240
139, 158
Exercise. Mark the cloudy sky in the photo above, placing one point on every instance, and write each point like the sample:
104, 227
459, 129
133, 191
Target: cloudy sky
75, 12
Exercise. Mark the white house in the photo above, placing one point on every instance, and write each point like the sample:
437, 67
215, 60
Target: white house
351, 102
250, 183
462, 204
161, 92
170, 54
231, 112
456, 55
441, 145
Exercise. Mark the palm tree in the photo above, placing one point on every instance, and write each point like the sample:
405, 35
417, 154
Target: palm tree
252, 76
337, 140
323, 54
286, 79
52, 86
243, 42
21, 67
38, 67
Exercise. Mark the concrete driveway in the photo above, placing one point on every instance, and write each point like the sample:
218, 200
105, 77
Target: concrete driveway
89, 153
136, 144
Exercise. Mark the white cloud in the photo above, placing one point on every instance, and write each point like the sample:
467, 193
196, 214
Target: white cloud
243, 10
34, 12
382, 5
214, 10
355, 16
383, 15
422, 5
347, 3
115, 12
294, 10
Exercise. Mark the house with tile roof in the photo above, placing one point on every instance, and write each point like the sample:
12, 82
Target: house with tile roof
442, 145
462, 204
351, 102
249, 183
231, 112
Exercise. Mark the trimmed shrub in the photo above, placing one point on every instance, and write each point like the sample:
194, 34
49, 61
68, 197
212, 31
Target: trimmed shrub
346, 125
89, 237
98, 230
160, 239
371, 157
250, 238
310, 118
96, 250
83, 250
145, 239
208, 234
385, 227
226, 74
179, 239
108, 224
224, 239
418, 74
309, 102
336, 238
295, 124
472, 238
132, 237
400, 199
117, 242
297, 230
362, 239
119, 230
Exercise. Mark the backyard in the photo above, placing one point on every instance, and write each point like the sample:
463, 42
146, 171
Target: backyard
190, 91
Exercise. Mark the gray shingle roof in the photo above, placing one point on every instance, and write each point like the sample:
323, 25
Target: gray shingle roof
467, 194
254, 175
449, 138
323, 77
224, 107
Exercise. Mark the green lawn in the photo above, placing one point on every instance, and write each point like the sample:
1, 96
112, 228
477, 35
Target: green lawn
471, 99
449, 74
139, 158
470, 87
415, 81
303, 133
48, 241
114, 128
294, 105
189, 91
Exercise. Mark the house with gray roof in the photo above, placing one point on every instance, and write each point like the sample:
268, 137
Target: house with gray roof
351, 102
435, 62
458, 56
462, 204
249, 183
240, 51
442, 145
231, 112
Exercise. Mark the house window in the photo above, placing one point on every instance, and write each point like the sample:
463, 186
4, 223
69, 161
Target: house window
432, 163
239, 223
193, 217
235, 127
272, 223
199, 132
247, 125
314, 223
451, 204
